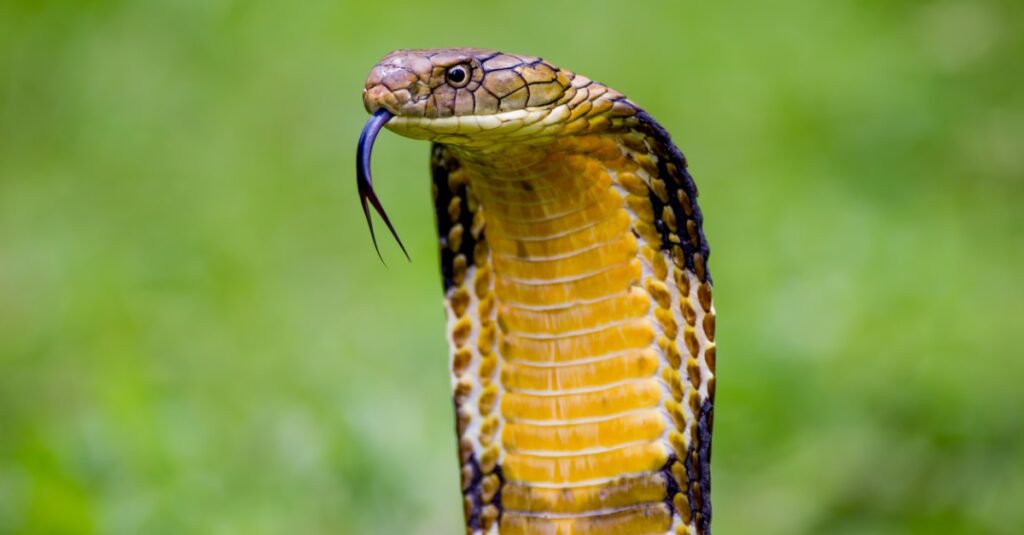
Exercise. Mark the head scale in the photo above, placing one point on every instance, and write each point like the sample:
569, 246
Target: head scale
423, 86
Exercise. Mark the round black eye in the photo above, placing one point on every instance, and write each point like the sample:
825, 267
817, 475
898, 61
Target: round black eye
458, 75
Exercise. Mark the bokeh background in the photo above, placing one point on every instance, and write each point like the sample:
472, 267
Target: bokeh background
197, 337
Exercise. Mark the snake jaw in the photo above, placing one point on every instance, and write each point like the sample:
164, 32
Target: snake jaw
364, 178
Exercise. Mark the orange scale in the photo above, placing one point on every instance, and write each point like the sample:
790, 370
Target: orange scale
621, 492
633, 304
579, 468
612, 253
630, 365
646, 425
506, 201
634, 395
590, 213
650, 518
634, 335
525, 206
607, 282
528, 243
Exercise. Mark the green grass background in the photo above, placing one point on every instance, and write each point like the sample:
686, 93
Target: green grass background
197, 337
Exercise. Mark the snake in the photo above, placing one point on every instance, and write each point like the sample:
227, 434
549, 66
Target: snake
580, 322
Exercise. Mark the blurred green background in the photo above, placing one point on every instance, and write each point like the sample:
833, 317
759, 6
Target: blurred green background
197, 337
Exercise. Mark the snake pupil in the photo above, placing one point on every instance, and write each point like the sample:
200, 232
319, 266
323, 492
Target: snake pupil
457, 74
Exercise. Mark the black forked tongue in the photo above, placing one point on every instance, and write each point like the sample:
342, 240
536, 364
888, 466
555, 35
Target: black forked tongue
364, 180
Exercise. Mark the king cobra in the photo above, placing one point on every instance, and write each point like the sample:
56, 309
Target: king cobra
577, 293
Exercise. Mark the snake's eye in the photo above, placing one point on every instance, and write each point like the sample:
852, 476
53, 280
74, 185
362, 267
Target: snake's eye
457, 76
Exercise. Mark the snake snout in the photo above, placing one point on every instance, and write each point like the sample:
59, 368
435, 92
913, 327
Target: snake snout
396, 84
379, 96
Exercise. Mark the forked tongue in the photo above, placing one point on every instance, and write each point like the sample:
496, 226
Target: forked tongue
364, 179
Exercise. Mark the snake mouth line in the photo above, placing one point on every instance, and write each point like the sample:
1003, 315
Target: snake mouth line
364, 178
518, 125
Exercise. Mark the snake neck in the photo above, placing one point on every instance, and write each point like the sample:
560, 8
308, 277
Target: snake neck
516, 184
576, 413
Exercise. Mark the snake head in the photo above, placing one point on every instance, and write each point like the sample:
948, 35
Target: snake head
478, 99
458, 96
465, 96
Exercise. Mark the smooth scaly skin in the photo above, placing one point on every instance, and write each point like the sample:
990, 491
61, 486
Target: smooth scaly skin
578, 300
